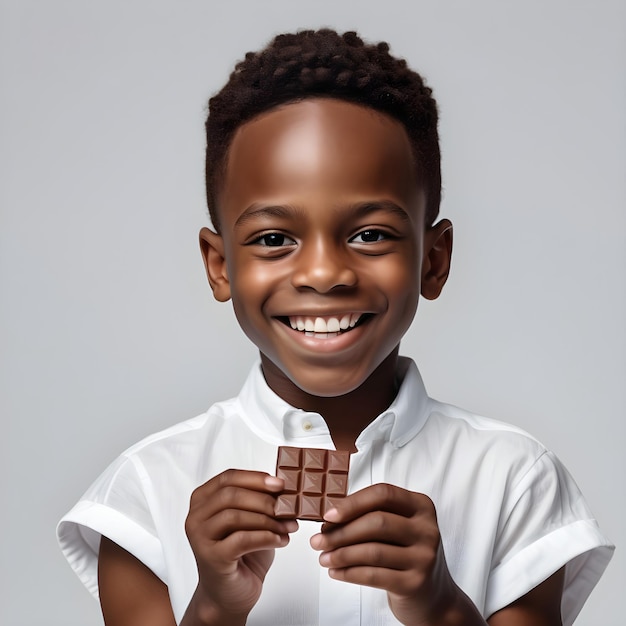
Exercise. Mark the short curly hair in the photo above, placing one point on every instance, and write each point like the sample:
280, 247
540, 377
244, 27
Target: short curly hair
323, 63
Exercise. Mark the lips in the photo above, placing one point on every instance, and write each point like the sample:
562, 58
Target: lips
324, 325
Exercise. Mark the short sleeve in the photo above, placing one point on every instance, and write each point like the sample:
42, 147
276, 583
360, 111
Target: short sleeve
116, 506
545, 525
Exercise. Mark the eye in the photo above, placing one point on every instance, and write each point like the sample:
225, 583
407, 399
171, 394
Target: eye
274, 240
369, 236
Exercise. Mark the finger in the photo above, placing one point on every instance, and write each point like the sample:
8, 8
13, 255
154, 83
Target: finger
379, 497
245, 479
227, 522
241, 510
241, 543
393, 581
378, 526
378, 555
233, 497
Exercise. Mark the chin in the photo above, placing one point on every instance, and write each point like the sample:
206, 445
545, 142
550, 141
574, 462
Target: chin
328, 384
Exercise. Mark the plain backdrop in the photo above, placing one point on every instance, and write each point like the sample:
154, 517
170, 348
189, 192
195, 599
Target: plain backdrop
109, 332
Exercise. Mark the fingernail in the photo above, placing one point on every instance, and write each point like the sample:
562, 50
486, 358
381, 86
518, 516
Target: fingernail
291, 526
325, 559
315, 541
274, 483
332, 515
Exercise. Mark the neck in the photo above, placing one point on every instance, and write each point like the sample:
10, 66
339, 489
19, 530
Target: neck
346, 415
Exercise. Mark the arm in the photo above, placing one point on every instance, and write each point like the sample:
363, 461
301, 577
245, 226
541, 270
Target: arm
130, 593
387, 537
233, 534
539, 607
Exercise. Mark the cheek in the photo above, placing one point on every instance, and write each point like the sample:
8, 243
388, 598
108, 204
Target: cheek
252, 284
401, 287
254, 280
249, 280
398, 279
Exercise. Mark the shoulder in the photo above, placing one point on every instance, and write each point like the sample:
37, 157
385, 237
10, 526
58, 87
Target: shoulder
186, 438
174, 460
484, 437
455, 415
143, 495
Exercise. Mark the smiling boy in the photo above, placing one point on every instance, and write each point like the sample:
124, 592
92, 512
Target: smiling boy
323, 184
328, 227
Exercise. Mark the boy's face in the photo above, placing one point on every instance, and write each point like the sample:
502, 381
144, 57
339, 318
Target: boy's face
322, 226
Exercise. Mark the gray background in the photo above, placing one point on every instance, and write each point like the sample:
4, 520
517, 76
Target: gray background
108, 330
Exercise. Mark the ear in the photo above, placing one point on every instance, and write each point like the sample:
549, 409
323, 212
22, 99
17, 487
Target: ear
212, 249
437, 257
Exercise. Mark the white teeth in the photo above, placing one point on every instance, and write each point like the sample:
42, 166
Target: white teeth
332, 326
321, 325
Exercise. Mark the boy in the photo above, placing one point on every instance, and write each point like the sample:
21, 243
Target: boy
323, 184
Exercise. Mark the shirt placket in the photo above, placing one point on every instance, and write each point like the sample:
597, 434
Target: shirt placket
344, 603
340, 602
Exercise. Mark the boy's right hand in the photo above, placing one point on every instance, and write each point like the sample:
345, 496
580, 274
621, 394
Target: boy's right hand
233, 533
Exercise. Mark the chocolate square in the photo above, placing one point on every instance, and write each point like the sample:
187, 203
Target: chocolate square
314, 480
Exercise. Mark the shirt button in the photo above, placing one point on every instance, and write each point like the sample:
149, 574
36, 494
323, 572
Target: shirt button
306, 425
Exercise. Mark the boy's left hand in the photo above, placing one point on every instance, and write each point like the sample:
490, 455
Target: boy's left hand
387, 537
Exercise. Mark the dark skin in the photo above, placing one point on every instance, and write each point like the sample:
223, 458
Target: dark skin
132, 595
321, 217
334, 410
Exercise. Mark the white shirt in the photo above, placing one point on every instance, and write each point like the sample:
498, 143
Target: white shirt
509, 513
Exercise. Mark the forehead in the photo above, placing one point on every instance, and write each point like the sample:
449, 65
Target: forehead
318, 149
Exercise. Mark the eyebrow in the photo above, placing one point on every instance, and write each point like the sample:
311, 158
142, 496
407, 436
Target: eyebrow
361, 209
255, 211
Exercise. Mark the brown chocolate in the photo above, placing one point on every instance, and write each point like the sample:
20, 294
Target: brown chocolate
314, 480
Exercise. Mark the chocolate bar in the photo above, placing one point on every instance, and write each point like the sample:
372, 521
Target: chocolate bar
314, 480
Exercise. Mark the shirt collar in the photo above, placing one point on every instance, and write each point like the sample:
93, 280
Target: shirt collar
276, 421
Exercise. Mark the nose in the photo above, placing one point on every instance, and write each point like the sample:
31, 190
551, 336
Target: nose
322, 266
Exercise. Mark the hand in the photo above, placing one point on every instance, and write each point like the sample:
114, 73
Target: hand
233, 534
387, 537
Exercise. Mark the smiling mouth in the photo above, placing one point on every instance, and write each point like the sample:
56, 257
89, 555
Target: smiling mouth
329, 326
